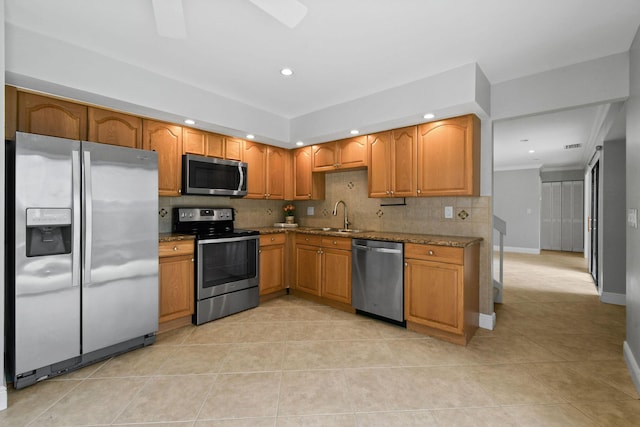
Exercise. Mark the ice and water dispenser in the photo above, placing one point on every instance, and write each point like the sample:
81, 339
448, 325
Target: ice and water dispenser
48, 231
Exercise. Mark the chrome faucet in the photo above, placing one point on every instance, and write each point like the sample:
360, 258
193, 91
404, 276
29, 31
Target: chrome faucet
335, 213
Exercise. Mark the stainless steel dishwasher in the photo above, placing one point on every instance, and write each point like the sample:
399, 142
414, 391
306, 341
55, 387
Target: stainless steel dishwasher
377, 278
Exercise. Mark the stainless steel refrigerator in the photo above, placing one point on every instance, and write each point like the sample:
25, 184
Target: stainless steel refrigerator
82, 254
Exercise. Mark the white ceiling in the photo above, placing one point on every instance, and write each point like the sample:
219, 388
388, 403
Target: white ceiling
345, 49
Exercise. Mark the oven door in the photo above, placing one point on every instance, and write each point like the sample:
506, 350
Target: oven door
226, 265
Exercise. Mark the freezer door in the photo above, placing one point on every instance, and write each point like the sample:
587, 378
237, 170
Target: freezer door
45, 287
120, 245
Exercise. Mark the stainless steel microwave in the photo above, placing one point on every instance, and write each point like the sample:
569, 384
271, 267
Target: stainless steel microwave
212, 176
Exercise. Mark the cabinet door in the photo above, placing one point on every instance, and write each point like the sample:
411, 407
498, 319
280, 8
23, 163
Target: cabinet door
308, 273
271, 268
403, 162
449, 157
379, 164
434, 294
324, 157
336, 281
255, 155
352, 152
214, 145
276, 158
233, 148
110, 127
193, 142
52, 117
302, 173
166, 140
176, 287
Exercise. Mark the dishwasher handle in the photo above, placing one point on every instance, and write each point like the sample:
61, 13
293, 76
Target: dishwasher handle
380, 250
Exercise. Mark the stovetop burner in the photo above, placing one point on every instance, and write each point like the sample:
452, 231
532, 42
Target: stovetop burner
207, 223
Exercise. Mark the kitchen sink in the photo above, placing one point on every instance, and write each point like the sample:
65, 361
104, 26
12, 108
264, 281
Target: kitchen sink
335, 230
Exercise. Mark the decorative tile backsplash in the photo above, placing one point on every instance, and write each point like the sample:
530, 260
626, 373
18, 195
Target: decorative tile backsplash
422, 215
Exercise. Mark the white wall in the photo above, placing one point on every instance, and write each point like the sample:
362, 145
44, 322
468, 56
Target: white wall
592, 82
632, 342
516, 199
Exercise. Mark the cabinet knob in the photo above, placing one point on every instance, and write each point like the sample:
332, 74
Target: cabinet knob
406, 264
388, 192
193, 260
175, 248
273, 239
431, 253
335, 243
392, 192
259, 251
309, 195
419, 191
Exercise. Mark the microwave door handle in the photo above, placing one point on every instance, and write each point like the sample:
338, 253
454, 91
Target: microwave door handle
241, 177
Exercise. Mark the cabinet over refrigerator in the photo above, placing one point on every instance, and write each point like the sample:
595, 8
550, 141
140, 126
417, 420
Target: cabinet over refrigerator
82, 254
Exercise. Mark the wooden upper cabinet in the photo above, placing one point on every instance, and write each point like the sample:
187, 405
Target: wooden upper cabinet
166, 140
307, 185
194, 141
110, 127
50, 116
380, 162
255, 154
449, 157
266, 172
324, 157
352, 152
392, 163
214, 145
275, 172
233, 148
404, 161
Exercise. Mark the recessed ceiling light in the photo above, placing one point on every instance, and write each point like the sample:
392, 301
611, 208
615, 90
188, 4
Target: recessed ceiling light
354, 132
286, 72
532, 151
190, 122
429, 116
299, 143
250, 136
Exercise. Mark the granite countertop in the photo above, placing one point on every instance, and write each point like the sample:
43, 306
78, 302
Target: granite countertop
423, 239
172, 237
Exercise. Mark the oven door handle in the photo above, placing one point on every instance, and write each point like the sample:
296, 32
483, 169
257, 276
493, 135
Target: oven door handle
228, 239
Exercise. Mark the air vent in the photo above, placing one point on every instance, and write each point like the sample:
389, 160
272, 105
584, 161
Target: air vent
572, 146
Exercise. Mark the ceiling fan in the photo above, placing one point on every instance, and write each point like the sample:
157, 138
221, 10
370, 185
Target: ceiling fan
169, 15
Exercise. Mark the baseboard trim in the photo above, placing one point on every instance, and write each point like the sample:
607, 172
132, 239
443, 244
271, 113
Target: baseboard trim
3, 398
612, 298
533, 251
632, 365
487, 321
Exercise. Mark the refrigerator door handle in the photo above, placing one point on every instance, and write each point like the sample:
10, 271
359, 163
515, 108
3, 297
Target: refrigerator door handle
88, 217
75, 247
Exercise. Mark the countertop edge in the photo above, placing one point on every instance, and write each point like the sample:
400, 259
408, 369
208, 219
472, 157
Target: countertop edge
422, 239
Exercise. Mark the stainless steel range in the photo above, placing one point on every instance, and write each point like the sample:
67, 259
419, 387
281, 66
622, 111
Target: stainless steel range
227, 262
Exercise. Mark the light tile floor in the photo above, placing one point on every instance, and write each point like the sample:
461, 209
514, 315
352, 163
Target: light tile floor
555, 359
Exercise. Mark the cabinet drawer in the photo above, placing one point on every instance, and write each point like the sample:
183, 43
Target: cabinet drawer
176, 248
273, 239
336, 242
308, 239
446, 254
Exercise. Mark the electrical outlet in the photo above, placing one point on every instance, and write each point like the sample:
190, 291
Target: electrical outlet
310, 211
448, 212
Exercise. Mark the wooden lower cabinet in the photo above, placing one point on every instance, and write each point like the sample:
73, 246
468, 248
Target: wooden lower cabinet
323, 267
272, 263
176, 276
441, 287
